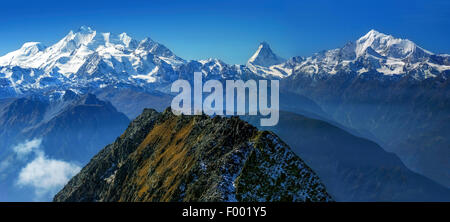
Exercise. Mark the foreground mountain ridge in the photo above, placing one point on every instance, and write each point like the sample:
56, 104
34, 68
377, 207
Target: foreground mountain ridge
163, 157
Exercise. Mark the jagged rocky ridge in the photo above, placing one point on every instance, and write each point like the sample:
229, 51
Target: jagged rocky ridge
163, 157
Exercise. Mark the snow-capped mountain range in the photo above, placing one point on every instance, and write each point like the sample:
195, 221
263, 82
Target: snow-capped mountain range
376, 52
88, 59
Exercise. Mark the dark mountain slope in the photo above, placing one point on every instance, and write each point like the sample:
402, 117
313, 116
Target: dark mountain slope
71, 128
79, 130
15, 116
353, 168
131, 101
407, 116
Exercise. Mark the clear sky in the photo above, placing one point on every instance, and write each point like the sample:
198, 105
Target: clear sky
230, 30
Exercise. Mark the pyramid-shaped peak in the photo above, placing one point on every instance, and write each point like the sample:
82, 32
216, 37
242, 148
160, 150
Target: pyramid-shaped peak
264, 56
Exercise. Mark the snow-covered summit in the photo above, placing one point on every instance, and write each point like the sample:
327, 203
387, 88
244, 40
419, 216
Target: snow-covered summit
86, 57
266, 63
77, 49
264, 56
389, 46
374, 52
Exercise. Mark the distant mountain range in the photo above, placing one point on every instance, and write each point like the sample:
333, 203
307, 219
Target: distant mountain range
87, 59
379, 87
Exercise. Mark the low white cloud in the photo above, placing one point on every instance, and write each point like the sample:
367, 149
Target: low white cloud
23, 149
45, 175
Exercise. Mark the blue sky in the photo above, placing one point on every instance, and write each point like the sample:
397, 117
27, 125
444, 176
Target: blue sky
230, 30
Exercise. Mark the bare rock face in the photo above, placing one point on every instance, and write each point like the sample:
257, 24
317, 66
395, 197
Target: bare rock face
163, 157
